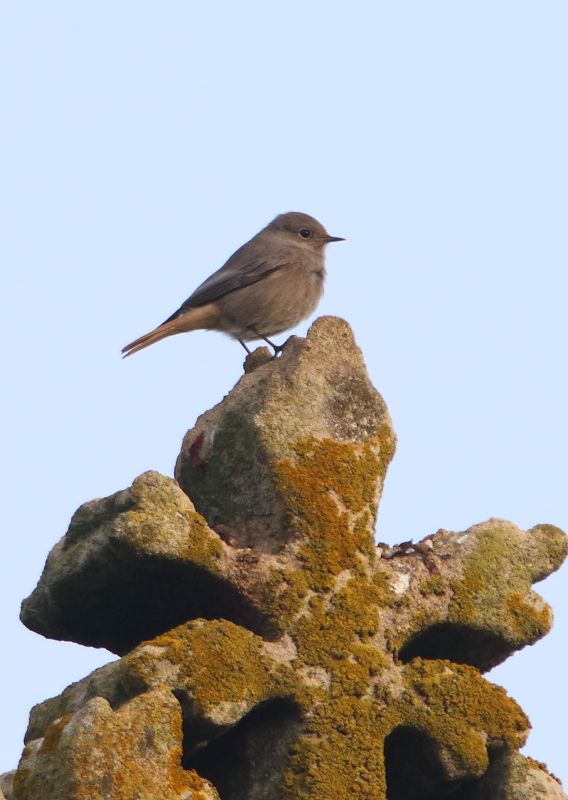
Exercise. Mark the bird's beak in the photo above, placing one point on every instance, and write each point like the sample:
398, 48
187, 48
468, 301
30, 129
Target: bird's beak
329, 239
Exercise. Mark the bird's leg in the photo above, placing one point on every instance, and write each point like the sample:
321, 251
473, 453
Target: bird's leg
244, 345
276, 347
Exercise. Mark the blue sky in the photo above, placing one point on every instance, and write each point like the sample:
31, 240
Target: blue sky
143, 142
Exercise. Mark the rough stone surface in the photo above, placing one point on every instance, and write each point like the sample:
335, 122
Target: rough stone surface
468, 596
6, 785
98, 752
511, 776
317, 392
271, 650
130, 566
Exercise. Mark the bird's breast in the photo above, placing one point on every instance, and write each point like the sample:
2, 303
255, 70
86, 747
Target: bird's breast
275, 303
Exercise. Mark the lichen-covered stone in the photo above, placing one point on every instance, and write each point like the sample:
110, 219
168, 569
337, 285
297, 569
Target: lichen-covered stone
130, 566
468, 596
286, 654
317, 393
338, 724
99, 752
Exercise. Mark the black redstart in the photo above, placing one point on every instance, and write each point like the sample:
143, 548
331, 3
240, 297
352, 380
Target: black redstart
268, 285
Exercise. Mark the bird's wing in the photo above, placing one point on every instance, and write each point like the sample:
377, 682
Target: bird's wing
237, 273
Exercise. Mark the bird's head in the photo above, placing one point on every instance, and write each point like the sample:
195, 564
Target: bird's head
302, 229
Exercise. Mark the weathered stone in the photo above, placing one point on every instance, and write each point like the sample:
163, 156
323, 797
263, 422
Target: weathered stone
143, 560
511, 776
7, 785
257, 358
286, 654
317, 392
130, 566
99, 753
467, 596
334, 728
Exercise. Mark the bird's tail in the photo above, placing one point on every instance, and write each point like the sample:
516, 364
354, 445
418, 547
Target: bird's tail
193, 319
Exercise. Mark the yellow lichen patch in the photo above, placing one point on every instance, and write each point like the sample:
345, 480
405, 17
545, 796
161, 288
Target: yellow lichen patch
159, 511
336, 632
340, 754
453, 705
478, 574
387, 445
550, 547
329, 490
203, 547
477, 596
371, 658
529, 622
282, 594
435, 584
179, 779
52, 736
132, 752
502, 555
288, 470
187, 783
327, 631
220, 663
458, 708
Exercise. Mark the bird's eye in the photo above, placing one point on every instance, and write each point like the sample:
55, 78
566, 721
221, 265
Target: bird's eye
305, 233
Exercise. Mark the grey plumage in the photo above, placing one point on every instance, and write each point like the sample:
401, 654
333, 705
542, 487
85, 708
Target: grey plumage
268, 285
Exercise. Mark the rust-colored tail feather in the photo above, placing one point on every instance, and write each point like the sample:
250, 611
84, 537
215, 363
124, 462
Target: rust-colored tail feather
193, 319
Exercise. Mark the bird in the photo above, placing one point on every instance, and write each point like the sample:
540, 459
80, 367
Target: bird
267, 286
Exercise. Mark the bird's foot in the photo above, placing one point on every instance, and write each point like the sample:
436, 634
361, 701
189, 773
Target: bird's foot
276, 347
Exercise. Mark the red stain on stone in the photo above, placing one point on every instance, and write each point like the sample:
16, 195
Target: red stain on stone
194, 453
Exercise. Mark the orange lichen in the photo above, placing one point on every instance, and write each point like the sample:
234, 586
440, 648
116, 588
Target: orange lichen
329, 490
296, 513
